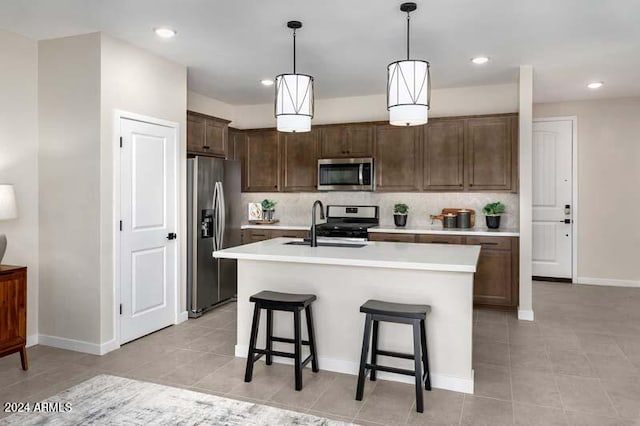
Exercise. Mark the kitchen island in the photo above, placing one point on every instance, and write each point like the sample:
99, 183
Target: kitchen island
343, 278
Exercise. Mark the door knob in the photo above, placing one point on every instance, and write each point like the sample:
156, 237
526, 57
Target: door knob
171, 236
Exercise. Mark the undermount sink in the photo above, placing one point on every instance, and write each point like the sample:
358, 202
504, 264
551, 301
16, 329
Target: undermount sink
324, 244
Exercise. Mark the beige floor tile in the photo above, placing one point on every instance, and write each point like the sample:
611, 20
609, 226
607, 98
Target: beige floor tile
441, 407
479, 411
624, 392
611, 366
492, 381
490, 353
535, 388
495, 331
525, 333
594, 343
190, 373
571, 363
330, 416
533, 415
340, 396
313, 386
583, 419
389, 403
487, 315
585, 395
529, 358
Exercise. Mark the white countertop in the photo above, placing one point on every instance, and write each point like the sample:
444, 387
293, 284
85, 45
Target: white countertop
435, 230
438, 230
428, 257
277, 226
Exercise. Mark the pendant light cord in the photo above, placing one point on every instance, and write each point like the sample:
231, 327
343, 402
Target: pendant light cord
294, 50
408, 39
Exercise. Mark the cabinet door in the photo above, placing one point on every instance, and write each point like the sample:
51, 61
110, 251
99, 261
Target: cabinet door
359, 141
443, 166
196, 129
392, 237
254, 235
439, 239
13, 315
215, 138
299, 161
492, 281
261, 161
488, 153
235, 143
397, 158
333, 142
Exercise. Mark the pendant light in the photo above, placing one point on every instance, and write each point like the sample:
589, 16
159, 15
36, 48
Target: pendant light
408, 86
294, 96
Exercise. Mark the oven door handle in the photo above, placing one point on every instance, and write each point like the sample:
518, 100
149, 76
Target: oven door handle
360, 174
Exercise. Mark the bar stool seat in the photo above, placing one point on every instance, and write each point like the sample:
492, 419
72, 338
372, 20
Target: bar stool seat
288, 302
414, 315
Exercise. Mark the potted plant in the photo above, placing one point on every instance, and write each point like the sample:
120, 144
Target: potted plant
400, 212
268, 209
492, 212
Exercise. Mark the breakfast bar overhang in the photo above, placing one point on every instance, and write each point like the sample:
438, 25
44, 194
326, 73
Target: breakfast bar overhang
343, 278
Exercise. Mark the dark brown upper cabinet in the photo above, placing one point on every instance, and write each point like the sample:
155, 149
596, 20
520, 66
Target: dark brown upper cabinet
235, 143
206, 135
443, 158
299, 159
397, 158
260, 156
340, 141
490, 153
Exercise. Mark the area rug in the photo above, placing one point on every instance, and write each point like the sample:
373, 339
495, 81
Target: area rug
114, 400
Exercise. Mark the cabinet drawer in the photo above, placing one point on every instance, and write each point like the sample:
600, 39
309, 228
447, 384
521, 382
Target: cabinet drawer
289, 233
495, 243
392, 238
440, 239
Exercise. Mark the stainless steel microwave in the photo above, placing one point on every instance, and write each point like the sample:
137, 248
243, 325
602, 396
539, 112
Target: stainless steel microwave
346, 174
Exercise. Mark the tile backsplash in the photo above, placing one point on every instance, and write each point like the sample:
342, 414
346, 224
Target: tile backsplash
295, 208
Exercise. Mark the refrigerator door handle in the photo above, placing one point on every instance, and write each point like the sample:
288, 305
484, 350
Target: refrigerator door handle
221, 215
215, 217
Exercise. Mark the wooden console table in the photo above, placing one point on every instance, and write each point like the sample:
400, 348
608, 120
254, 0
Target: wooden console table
13, 312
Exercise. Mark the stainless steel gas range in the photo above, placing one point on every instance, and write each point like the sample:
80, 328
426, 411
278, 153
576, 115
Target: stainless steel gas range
349, 222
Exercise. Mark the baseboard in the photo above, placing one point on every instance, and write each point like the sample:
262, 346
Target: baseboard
439, 381
182, 317
32, 340
77, 345
607, 282
525, 315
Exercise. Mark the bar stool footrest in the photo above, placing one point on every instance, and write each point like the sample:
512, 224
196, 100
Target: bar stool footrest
390, 369
395, 354
287, 340
274, 353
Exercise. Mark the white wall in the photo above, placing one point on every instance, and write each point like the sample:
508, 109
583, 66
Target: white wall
69, 164
19, 158
136, 81
608, 182
446, 102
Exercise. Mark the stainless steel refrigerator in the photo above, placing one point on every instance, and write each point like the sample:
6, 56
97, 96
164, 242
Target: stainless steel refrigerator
213, 192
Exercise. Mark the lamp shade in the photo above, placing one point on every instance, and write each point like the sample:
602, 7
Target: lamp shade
8, 208
408, 92
294, 102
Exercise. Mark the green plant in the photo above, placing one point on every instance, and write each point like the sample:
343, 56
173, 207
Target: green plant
493, 209
400, 208
268, 204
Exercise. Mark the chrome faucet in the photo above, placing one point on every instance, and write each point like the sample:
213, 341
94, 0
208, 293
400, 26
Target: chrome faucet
314, 237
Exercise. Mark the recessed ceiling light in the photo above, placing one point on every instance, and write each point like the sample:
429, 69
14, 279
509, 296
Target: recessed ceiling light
595, 85
267, 82
479, 60
165, 32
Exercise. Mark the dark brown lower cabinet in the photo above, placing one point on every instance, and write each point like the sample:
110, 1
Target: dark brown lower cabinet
496, 281
253, 235
13, 312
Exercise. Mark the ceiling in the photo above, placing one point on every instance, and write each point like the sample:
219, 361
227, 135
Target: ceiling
229, 46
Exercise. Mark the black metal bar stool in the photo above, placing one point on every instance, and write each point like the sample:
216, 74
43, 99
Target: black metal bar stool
274, 301
415, 315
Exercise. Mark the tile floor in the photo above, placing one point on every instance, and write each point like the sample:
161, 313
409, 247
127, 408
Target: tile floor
577, 364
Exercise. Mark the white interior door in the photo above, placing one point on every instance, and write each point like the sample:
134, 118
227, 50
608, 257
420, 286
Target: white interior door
552, 198
148, 254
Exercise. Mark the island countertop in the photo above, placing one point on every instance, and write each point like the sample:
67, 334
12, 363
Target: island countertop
426, 257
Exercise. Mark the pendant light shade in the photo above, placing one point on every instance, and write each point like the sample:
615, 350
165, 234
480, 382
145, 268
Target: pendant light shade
294, 96
408, 86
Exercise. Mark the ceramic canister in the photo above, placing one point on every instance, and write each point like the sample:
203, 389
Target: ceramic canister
449, 221
464, 218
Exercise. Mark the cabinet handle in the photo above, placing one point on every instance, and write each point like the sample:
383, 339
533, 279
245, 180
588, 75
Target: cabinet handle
205, 147
488, 244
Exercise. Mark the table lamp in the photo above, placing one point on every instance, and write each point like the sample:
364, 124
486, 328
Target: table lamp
8, 210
